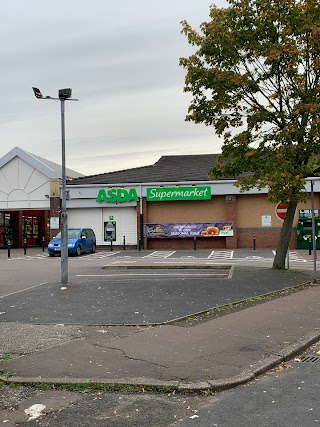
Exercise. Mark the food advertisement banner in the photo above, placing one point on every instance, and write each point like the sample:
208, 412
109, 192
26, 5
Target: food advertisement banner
190, 229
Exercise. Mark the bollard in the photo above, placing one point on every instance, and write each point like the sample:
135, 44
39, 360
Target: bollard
139, 243
9, 247
25, 246
124, 243
111, 247
310, 246
195, 243
254, 243
42, 244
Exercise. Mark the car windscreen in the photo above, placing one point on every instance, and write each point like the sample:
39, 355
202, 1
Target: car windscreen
72, 234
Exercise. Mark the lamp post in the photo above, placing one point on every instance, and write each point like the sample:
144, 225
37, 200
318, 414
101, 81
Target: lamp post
64, 95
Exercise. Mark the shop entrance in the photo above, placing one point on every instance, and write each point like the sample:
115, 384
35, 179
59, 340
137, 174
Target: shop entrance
6, 233
32, 225
30, 229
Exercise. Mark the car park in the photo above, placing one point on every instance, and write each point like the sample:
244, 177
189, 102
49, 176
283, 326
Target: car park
80, 240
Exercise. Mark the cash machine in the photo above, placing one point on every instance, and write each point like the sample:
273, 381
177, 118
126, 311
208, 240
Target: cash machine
304, 229
109, 231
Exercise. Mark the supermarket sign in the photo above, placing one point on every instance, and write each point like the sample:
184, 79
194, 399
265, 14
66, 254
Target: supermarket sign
117, 195
161, 194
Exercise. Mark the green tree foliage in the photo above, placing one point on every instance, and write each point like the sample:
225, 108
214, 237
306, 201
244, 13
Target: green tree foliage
255, 79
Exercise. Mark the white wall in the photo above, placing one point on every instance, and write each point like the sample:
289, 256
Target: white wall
125, 218
23, 186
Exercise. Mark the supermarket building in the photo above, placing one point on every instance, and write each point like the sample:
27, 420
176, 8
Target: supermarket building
171, 203
168, 205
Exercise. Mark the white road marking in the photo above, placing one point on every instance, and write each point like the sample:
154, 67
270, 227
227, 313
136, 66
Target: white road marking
221, 255
160, 254
22, 290
294, 256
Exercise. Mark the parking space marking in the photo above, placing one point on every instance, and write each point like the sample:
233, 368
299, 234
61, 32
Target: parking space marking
160, 254
294, 256
29, 257
221, 255
23, 290
100, 255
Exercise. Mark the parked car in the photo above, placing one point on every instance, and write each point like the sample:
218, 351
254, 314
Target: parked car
80, 240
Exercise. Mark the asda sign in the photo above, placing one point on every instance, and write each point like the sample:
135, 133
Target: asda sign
178, 193
117, 195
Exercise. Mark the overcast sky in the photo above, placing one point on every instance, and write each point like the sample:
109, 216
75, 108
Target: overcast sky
121, 59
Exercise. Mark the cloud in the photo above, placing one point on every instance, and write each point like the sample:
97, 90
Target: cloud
121, 60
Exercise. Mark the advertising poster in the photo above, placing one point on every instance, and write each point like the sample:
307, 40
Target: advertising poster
190, 229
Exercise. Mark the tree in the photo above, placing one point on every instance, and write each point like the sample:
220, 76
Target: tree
255, 79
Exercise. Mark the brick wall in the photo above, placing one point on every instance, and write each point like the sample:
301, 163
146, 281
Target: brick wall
231, 215
54, 212
264, 237
245, 211
186, 243
187, 211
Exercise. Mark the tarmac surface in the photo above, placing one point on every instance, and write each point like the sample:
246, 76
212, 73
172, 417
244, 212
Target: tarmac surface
204, 352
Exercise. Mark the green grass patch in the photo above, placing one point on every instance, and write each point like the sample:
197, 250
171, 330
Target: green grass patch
4, 357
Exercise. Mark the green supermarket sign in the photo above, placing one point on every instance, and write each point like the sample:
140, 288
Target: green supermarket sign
178, 193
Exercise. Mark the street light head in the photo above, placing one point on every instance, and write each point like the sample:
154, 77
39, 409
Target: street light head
65, 93
37, 93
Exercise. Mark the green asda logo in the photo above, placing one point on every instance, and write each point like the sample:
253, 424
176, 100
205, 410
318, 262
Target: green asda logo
119, 195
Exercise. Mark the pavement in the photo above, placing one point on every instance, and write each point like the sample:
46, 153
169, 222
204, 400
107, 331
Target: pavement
204, 352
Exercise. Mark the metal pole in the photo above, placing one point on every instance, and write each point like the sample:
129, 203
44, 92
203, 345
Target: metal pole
194, 243
314, 243
64, 216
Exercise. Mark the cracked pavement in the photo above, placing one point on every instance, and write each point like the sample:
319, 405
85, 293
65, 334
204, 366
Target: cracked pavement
171, 354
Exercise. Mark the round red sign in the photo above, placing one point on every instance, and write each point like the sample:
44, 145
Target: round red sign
281, 210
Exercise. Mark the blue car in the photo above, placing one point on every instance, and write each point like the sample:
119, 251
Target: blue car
80, 240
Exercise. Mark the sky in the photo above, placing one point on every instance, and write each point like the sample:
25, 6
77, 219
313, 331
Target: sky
121, 59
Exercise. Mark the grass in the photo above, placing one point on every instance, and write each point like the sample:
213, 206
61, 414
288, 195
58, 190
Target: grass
4, 357
90, 387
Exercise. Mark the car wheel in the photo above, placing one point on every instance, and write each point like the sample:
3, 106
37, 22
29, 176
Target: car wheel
93, 249
78, 251
51, 254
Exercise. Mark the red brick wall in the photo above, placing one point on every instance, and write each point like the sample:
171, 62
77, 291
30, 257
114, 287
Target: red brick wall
264, 237
231, 215
186, 243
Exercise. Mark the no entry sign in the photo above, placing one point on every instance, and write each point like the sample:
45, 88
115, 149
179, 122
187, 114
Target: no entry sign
281, 210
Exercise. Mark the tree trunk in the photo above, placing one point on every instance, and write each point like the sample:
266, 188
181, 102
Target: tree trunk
284, 239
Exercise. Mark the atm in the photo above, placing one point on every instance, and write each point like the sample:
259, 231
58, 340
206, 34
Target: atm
304, 229
109, 228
